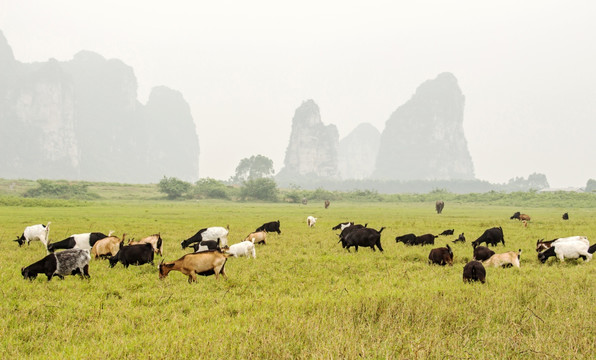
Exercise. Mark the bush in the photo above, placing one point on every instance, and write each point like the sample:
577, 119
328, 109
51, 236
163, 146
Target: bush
173, 187
61, 190
209, 188
259, 189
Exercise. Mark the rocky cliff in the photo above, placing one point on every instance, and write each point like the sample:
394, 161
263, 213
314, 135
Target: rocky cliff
80, 119
358, 152
312, 150
424, 138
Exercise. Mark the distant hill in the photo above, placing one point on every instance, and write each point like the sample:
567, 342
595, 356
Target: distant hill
424, 138
81, 120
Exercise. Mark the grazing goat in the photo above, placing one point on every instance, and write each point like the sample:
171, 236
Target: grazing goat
327, 203
108, 246
77, 241
207, 245
68, 262
39, 232
482, 253
245, 248
411, 239
311, 221
203, 263
510, 258
474, 271
519, 216
460, 238
258, 237
441, 256
447, 232
133, 255
343, 225
565, 216
365, 237
304, 201
348, 229
545, 245
571, 249
270, 227
155, 240
490, 236
211, 233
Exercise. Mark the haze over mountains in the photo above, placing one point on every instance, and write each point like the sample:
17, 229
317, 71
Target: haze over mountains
81, 120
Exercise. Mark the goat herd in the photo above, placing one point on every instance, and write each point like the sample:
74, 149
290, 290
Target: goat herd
211, 249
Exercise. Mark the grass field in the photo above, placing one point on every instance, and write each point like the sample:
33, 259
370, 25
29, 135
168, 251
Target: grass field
304, 296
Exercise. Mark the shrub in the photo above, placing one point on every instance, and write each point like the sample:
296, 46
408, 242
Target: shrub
173, 187
209, 188
259, 189
60, 190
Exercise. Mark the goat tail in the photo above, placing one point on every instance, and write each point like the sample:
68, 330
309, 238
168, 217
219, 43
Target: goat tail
383, 228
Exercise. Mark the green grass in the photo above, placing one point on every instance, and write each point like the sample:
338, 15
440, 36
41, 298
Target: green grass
304, 296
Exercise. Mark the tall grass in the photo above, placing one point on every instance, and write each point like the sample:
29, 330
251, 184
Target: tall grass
304, 296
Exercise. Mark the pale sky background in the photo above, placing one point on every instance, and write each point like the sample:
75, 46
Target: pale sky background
526, 68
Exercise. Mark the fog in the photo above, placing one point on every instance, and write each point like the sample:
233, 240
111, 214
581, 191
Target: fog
527, 69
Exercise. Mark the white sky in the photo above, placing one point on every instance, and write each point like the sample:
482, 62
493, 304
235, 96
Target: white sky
527, 69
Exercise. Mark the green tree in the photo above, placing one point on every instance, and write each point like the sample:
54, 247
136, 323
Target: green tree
260, 189
254, 167
173, 187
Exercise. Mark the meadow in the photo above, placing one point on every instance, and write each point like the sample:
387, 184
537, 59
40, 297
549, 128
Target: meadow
303, 296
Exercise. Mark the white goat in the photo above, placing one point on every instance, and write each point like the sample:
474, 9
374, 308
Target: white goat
570, 249
311, 221
245, 248
39, 232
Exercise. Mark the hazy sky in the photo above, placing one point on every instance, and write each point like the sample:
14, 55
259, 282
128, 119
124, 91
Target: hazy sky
527, 69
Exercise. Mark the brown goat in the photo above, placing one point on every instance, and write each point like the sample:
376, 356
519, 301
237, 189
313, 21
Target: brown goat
258, 236
108, 246
155, 241
193, 264
441, 256
510, 258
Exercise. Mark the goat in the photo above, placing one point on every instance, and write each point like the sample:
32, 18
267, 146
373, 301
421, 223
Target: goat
439, 205
207, 245
571, 249
193, 264
39, 232
258, 237
365, 237
441, 256
68, 262
108, 246
545, 245
311, 221
342, 226
460, 238
519, 216
510, 258
327, 204
411, 239
155, 241
565, 216
78, 241
211, 233
270, 227
133, 255
447, 232
245, 248
474, 271
490, 236
482, 253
